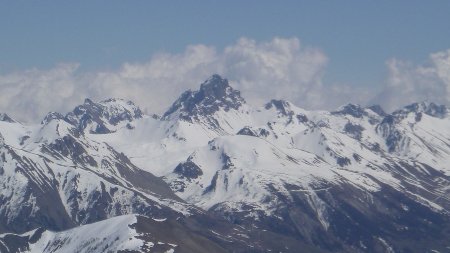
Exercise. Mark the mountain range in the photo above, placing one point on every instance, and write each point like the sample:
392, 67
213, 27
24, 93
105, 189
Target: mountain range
216, 174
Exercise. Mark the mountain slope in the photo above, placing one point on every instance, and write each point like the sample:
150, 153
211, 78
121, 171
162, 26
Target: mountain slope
281, 166
249, 179
128, 233
57, 178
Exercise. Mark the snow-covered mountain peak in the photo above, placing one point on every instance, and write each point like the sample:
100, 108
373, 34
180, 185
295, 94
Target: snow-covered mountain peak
53, 130
105, 116
413, 113
219, 88
356, 113
51, 116
214, 94
354, 110
429, 108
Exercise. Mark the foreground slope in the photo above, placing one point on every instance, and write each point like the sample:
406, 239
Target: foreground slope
128, 233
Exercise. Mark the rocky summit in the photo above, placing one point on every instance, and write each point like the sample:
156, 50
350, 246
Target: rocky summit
216, 174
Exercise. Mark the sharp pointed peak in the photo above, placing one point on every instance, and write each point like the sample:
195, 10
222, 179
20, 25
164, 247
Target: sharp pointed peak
215, 78
214, 94
216, 87
104, 116
88, 101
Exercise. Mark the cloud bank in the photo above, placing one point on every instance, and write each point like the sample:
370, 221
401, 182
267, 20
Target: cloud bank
282, 68
408, 83
29, 95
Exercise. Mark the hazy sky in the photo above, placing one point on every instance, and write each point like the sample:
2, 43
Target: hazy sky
305, 51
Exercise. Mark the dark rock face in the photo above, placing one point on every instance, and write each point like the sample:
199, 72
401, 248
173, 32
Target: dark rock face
285, 110
158, 235
12, 243
302, 118
188, 170
69, 147
261, 132
431, 109
52, 116
199, 234
388, 126
99, 117
182, 233
50, 211
214, 94
343, 161
354, 130
247, 131
280, 105
378, 110
351, 109
5, 117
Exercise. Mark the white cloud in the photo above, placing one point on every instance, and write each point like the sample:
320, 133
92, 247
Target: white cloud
30, 94
408, 83
280, 68
157, 83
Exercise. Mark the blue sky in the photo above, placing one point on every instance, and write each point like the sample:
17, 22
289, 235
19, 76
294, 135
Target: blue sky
358, 38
